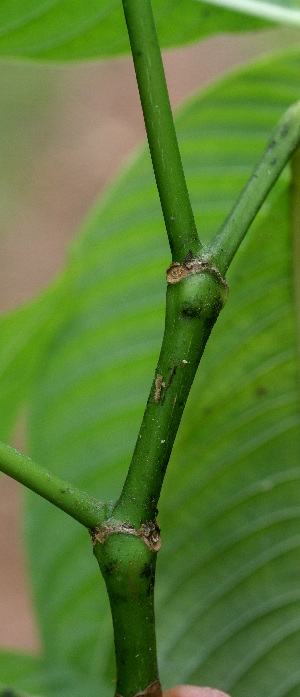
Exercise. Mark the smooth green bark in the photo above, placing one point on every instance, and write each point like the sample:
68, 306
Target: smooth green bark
192, 307
166, 160
128, 567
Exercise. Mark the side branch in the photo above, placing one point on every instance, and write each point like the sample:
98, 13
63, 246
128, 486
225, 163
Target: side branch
284, 141
84, 508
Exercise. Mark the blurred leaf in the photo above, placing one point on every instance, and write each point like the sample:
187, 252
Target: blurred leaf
62, 680
232, 603
228, 601
73, 30
11, 692
23, 336
22, 674
18, 672
286, 11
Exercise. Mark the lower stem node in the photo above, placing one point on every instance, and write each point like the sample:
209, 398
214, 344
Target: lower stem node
128, 567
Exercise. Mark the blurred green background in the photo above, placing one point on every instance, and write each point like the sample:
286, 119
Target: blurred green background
64, 132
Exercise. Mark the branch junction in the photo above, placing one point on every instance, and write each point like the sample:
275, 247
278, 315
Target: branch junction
177, 272
149, 533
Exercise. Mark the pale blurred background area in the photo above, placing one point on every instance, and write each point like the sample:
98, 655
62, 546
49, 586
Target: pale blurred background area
64, 132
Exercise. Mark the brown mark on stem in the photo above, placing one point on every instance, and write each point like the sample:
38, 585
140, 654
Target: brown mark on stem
149, 533
153, 690
177, 272
159, 383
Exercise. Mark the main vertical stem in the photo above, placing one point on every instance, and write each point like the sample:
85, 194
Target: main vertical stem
167, 165
193, 305
128, 567
127, 560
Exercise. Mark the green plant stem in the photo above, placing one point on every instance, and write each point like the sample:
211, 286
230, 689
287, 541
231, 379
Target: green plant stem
284, 140
193, 305
78, 504
128, 567
167, 165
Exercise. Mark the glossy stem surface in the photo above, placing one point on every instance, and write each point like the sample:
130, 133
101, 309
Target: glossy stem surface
162, 139
128, 567
192, 308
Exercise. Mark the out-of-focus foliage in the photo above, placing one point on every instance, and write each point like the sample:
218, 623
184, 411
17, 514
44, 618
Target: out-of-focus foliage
21, 670
287, 11
63, 30
23, 335
228, 602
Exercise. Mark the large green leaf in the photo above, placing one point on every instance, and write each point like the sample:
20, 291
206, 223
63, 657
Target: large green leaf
75, 30
287, 11
23, 336
233, 596
228, 601
22, 674
19, 671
